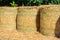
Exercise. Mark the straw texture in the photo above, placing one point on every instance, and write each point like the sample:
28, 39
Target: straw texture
8, 18
48, 20
26, 19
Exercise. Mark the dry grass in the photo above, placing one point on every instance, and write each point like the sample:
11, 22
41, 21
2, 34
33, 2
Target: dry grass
16, 35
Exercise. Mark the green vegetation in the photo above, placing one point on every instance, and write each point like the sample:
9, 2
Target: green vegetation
32, 2
27, 2
13, 4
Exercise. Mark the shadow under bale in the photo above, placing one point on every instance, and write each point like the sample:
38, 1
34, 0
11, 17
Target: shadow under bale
38, 19
57, 29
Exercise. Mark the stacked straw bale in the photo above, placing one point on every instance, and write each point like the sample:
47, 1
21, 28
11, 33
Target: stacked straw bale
8, 18
48, 20
26, 19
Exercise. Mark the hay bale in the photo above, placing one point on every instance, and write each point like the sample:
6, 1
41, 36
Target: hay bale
26, 19
8, 18
48, 20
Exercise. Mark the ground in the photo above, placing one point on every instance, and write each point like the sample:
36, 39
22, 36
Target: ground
15, 35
